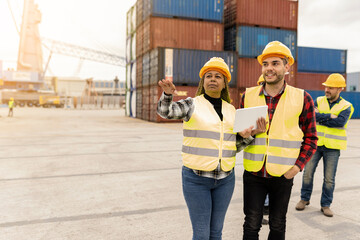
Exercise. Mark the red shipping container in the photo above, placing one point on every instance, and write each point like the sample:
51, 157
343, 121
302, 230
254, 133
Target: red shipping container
139, 72
249, 71
139, 40
180, 33
311, 81
268, 13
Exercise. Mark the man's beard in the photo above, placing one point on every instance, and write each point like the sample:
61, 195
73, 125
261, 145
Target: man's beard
278, 79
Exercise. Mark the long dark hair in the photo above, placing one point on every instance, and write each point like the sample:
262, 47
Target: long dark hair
224, 93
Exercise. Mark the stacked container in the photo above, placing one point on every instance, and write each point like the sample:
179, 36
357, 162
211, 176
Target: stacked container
316, 64
250, 25
173, 40
131, 69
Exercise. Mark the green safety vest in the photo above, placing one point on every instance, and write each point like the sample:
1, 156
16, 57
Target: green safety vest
330, 137
281, 143
208, 140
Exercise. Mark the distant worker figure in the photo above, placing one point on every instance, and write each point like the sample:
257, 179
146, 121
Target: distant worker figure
209, 146
11, 107
332, 116
274, 158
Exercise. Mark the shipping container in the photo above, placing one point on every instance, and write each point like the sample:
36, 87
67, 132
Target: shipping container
270, 13
249, 71
130, 103
155, 94
353, 82
130, 82
139, 103
311, 81
179, 33
139, 64
139, 12
321, 60
146, 70
139, 41
183, 65
352, 97
251, 41
207, 10
146, 103
131, 20
183, 93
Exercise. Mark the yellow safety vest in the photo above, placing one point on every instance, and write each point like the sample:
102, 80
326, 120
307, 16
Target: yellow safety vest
334, 138
281, 143
11, 104
208, 140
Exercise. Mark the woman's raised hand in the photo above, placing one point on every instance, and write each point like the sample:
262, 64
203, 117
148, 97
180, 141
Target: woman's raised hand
167, 86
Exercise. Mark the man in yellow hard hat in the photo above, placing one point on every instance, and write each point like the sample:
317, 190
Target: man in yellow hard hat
332, 116
11, 107
273, 159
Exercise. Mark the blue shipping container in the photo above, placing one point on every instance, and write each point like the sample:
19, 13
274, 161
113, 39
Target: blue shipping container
353, 97
251, 41
209, 10
321, 60
183, 65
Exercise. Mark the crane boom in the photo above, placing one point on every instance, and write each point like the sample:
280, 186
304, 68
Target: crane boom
83, 52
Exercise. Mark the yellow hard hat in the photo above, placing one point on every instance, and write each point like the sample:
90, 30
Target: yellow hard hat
335, 80
12, 98
261, 80
276, 49
217, 64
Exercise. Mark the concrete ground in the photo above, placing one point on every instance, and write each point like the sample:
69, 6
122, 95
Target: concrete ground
95, 174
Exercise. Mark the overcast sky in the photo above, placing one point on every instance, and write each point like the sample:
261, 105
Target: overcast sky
101, 25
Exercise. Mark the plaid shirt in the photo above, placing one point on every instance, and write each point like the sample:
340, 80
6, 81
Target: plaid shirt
183, 109
307, 124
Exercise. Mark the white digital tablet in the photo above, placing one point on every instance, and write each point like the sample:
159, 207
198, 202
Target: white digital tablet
246, 117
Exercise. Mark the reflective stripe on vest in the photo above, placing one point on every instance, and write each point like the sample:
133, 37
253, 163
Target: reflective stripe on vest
208, 140
282, 145
334, 138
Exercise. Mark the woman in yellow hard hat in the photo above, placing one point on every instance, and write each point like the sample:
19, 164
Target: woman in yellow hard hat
209, 146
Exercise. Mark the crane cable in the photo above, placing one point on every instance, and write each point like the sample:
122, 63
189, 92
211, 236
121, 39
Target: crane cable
13, 17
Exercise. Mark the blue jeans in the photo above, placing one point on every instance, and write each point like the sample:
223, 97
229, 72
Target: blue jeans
207, 200
255, 191
330, 158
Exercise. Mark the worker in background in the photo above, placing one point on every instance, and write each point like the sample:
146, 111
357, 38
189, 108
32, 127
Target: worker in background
11, 107
274, 158
209, 146
332, 116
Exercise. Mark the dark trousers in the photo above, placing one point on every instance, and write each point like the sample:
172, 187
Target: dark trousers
11, 112
255, 191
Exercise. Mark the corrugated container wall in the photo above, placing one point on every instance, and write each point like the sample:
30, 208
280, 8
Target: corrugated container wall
268, 13
321, 60
250, 41
207, 10
353, 82
353, 97
249, 71
311, 81
179, 33
183, 65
